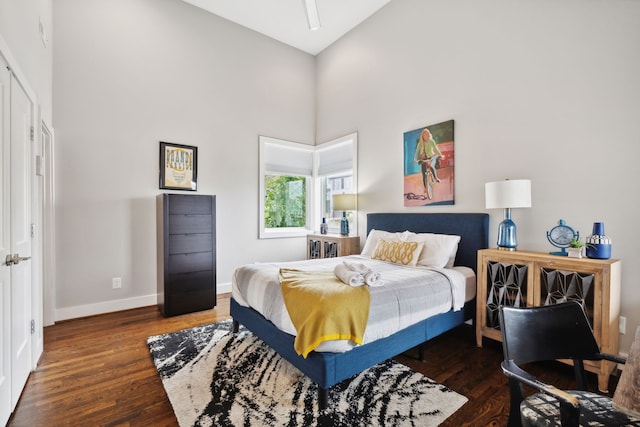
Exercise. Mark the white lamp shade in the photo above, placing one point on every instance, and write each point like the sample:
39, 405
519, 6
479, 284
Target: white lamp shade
344, 202
510, 193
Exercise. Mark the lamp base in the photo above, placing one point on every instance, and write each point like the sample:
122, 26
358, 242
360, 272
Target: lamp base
507, 233
344, 225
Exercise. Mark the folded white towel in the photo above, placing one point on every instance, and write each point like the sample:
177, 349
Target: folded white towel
371, 278
357, 266
350, 277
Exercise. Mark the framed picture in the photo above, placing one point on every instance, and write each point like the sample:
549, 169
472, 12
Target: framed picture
429, 165
178, 167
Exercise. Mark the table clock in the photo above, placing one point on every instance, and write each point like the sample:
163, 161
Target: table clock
561, 236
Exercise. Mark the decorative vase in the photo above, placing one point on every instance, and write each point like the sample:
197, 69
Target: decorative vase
344, 225
324, 227
598, 245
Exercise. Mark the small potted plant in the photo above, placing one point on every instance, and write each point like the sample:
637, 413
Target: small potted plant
576, 248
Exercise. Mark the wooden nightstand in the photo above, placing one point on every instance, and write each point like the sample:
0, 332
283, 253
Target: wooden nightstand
331, 245
529, 279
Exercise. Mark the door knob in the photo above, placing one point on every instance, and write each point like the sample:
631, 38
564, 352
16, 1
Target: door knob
15, 259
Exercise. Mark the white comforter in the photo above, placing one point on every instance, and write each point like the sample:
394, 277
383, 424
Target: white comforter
409, 294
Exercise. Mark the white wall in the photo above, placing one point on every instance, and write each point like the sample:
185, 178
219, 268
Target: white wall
19, 27
539, 90
30, 58
546, 90
131, 73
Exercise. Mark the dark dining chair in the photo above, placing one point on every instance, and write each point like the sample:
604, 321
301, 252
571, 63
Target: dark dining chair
560, 331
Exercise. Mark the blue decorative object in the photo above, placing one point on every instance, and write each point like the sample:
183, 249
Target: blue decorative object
561, 236
344, 225
507, 232
324, 226
598, 245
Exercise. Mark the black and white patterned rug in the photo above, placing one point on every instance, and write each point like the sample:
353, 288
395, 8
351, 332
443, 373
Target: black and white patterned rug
215, 378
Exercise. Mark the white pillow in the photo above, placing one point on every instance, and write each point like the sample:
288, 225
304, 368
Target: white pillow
375, 235
439, 249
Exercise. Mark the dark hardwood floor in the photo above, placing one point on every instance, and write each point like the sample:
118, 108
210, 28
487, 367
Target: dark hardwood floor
97, 371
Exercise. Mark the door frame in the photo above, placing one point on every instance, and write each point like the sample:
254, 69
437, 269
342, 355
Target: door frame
36, 285
47, 229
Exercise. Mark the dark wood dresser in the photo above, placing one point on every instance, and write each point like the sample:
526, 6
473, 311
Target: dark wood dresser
186, 232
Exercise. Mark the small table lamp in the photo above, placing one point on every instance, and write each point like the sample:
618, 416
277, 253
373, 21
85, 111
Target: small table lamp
507, 194
344, 203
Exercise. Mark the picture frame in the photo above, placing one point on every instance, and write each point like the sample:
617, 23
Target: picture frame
178, 167
429, 165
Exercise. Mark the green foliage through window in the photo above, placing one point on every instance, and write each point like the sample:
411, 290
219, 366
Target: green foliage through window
285, 201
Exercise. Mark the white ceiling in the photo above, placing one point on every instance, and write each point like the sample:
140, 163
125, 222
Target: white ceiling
286, 20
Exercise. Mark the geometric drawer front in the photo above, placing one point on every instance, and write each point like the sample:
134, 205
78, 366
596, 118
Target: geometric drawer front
559, 286
314, 249
506, 285
330, 249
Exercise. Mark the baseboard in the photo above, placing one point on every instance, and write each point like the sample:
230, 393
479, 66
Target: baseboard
223, 288
77, 311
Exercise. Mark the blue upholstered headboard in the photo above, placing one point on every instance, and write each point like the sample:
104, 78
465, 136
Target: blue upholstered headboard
473, 228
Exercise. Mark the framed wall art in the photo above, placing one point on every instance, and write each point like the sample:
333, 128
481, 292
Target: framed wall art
428, 165
178, 167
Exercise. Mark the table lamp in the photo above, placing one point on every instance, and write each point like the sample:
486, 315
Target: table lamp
507, 194
344, 203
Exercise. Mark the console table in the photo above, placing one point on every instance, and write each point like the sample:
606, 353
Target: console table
528, 279
331, 245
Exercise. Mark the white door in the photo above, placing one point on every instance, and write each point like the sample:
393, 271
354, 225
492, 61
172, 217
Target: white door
21, 125
15, 242
5, 248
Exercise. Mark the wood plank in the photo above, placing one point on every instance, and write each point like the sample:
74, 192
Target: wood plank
98, 371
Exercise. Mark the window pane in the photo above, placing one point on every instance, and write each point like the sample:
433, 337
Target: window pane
334, 184
337, 184
285, 201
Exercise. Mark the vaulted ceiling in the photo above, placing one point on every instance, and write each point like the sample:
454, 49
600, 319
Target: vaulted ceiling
286, 20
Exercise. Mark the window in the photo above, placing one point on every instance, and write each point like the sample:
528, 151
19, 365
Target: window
286, 169
336, 174
285, 203
297, 182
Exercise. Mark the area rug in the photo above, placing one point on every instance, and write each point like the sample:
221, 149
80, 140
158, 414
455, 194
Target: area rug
216, 378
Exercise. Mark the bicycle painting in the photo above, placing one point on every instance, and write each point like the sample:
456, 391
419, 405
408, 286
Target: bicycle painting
429, 165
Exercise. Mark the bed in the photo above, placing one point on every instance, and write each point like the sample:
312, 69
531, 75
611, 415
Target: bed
327, 368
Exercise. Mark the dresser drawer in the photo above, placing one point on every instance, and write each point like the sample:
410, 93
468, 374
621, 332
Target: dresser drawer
190, 204
190, 243
190, 282
190, 224
190, 301
189, 263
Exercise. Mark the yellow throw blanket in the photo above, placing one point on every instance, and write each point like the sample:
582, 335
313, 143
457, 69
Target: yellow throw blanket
322, 308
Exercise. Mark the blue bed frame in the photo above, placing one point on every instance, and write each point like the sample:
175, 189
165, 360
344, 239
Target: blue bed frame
328, 369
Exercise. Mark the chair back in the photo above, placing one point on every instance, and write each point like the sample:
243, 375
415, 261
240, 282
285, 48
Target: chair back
559, 331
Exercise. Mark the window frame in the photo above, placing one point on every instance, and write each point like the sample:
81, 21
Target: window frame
313, 181
318, 179
280, 232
